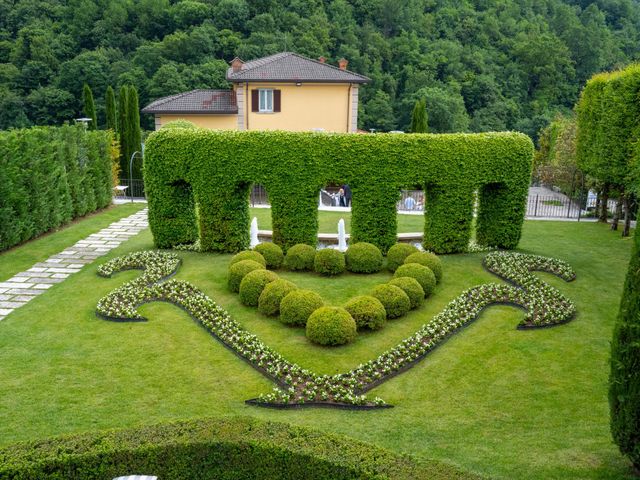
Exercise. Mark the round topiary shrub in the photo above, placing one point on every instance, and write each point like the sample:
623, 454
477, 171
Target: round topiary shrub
363, 257
238, 270
331, 326
367, 311
252, 285
272, 295
179, 124
422, 274
272, 253
397, 254
427, 259
412, 288
298, 305
396, 303
300, 257
248, 255
329, 262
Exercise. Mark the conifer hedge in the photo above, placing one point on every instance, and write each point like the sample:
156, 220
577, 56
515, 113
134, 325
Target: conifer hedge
238, 448
49, 176
215, 170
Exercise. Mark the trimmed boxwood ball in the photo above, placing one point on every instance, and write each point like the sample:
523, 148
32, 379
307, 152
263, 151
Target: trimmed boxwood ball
272, 253
252, 285
427, 259
363, 257
422, 274
248, 255
296, 307
329, 262
300, 257
412, 288
397, 254
396, 302
272, 295
331, 326
238, 270
367, 311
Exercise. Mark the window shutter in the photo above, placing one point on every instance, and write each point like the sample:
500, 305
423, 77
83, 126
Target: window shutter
255, 100
276, 100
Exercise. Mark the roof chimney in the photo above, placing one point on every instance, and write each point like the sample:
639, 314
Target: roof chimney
322, 59
342, 63
236, 65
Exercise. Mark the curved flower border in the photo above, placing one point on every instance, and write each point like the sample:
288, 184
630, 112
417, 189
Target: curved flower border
297, 387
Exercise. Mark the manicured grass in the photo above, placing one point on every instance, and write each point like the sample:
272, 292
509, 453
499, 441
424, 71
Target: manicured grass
328, 221
493, 400
22, 257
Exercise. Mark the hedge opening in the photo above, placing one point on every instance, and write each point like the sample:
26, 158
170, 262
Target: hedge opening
293, 167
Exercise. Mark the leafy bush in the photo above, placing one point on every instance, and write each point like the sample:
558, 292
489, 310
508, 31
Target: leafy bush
272, 295
248, 255
367, 311
219, 168
296, 307
237, 271
252, 285
329, 262
422, 274
179, 124
331, 326
300, 257
272, 253
396, 303
427, 259
363, 257
412, 288
397, 254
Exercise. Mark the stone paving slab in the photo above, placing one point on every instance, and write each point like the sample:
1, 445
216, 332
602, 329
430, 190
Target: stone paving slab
25, 286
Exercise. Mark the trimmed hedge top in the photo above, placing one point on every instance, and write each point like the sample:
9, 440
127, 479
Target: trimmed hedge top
219, 167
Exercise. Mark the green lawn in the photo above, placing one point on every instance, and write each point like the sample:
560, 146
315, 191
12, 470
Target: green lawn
22, 257
492, 400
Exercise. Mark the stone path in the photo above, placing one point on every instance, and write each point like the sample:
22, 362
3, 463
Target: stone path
24, 286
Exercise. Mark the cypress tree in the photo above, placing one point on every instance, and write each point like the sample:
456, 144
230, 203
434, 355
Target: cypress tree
122, 129
110, 108
89, 107
624, 379
419, 117
133, 128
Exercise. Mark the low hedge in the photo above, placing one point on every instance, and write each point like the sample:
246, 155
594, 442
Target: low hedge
396, 302
329, 262
298, 305
397, 254
422, 274
427, 259
238, 270
367, 311
363, 257
239, 448
272, 296
272, 253
300, 257
252, 285
412, 288
331, 326
248, 255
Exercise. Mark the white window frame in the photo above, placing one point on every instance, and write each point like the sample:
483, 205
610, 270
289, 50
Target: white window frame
265, 100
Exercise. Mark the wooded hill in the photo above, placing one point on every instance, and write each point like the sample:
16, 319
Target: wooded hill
480, 64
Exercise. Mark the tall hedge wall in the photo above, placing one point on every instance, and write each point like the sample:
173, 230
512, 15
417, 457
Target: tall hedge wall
48, 176
215, 170
238, 448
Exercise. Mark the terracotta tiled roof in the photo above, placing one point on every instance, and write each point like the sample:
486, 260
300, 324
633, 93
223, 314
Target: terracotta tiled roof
196, 101
291, 67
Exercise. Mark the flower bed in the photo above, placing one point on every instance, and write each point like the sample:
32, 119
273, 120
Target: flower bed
544, 306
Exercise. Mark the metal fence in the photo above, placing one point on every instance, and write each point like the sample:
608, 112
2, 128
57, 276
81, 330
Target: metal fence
135, 188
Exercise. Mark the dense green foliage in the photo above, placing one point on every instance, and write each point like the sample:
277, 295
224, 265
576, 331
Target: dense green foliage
329, 262
298, 305
412, 288
481, 66
395, 301
367, 311
363, 257
331, 326
208, 448
273, 294
397, 253
48, 176
89, 107
219, 167
300, 257
111, 113
253, 283
248, 255
427, 259
238, 270
425, 277
624, 379
419, 117
272, 253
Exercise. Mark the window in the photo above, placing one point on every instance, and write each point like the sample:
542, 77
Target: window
266, 100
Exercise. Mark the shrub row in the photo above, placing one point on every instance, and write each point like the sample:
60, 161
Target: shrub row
240, 448
218, 168
544, 306
49, 176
